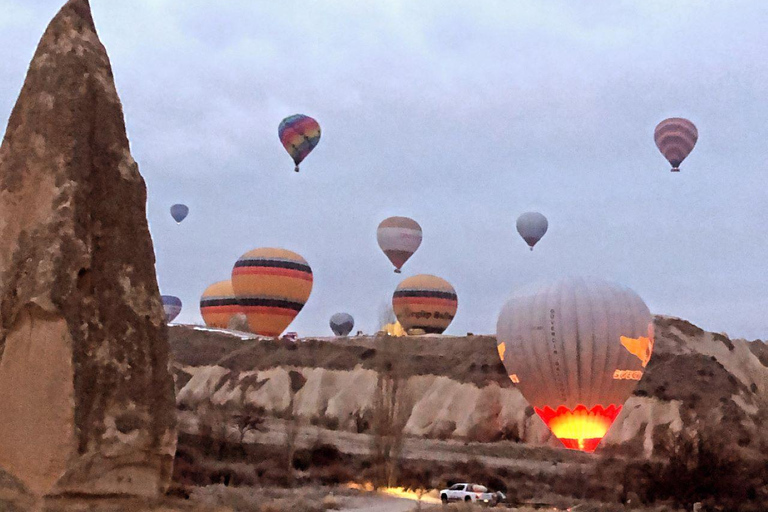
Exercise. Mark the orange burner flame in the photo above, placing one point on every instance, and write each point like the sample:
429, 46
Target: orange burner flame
580, 428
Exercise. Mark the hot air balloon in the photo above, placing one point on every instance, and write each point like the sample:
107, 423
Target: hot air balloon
218, 305
299, 135
576, 349
171, 306
342, 324
425, 302
399, 237
272, 285
179, 212
675, 137
532, 226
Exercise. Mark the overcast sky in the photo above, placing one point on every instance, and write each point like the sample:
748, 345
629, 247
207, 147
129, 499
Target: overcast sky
460, 114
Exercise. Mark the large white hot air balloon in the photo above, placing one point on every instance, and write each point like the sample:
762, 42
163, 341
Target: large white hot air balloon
576, 349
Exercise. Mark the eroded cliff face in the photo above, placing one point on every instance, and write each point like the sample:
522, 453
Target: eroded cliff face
457, 388
87, 398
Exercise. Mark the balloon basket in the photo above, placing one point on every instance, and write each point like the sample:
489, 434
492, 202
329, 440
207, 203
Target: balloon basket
398, 271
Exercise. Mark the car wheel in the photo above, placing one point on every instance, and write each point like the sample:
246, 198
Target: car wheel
467, 499
444, 498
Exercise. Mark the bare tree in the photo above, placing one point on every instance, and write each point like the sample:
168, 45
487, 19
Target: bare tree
293, 425
212, 427
386, 315
249, 418
391, 409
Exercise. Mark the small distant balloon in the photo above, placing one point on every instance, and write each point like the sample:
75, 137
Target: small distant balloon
532, 226
399, 238
299, 135
179, 212
342, 324
675, 137
171, 306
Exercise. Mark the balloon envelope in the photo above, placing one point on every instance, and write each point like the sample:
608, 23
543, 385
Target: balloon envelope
399, 238
272, 286
532, 226
218, 305
171, 306
299, 135
342, 324
425, 302
179, 212
675, 137
576, 349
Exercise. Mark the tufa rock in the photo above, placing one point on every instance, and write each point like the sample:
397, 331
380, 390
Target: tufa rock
86, 398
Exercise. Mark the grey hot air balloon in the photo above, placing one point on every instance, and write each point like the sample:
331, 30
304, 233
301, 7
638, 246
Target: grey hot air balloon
342, 324
171, 307
532, 226
576, 349
179, 212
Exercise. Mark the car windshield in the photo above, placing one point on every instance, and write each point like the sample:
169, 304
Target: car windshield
457, 487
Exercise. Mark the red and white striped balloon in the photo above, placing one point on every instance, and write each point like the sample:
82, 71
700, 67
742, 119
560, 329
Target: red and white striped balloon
675, 137
399, 237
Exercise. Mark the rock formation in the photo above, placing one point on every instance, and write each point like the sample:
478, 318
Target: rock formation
86, 398
459, 389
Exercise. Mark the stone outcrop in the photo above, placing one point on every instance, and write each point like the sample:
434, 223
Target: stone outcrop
86, 398
457, 388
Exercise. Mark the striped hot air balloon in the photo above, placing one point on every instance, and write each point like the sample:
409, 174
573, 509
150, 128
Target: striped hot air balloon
399, 237
299, 135
218, 305
342, 324
675, 137
272, 285
171, 307
576, 349
425, 302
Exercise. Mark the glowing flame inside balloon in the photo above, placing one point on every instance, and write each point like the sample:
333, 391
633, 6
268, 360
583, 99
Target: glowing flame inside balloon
580, 428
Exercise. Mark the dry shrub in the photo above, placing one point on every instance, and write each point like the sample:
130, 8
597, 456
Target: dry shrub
260, 499
331, 502
700, 467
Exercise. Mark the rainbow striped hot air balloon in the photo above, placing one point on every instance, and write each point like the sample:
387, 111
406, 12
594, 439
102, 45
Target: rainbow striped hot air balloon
675, 137
272, 285
218, 305
299, 135
425, 302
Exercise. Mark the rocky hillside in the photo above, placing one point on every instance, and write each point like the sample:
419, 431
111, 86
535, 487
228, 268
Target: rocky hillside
456, 387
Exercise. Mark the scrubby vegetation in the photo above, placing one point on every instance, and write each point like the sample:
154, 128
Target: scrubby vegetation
697, 468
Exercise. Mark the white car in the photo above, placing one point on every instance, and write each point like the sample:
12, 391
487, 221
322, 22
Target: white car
472, 493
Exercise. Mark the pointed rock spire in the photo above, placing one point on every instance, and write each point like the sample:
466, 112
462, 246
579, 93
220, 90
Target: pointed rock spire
86, 398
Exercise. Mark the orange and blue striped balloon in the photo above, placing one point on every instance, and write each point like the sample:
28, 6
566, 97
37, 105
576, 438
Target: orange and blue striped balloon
272, 286
299, 135
425, 302
218, 305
